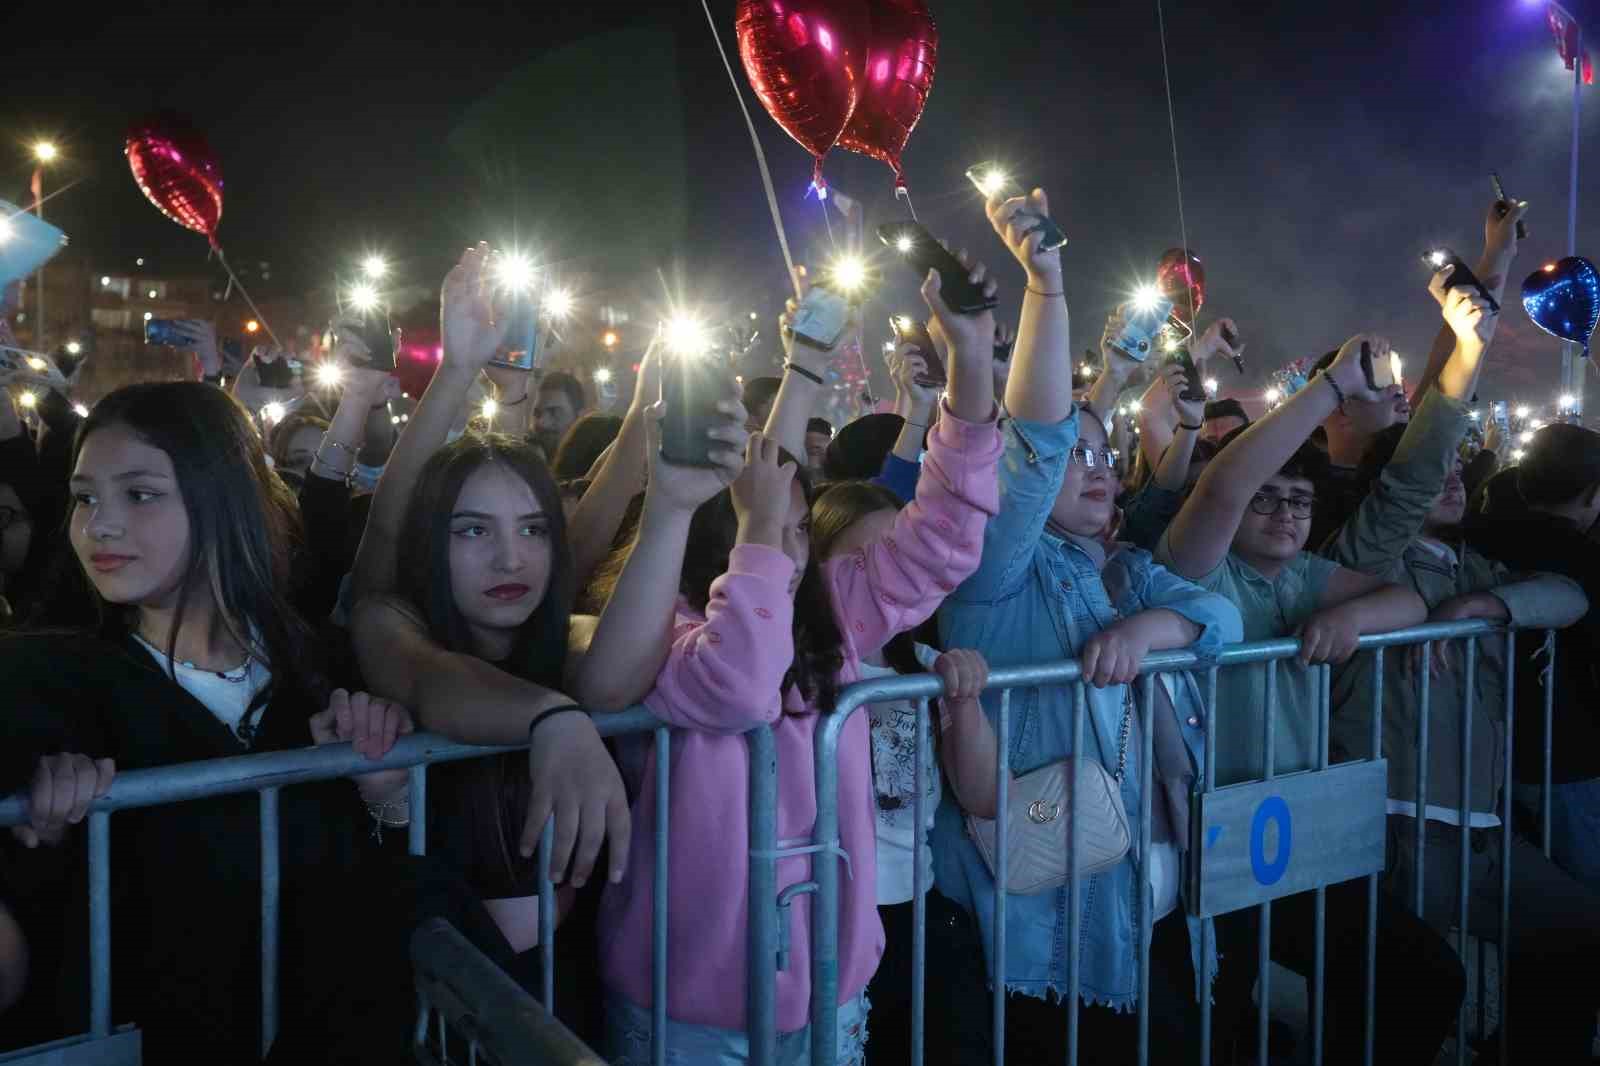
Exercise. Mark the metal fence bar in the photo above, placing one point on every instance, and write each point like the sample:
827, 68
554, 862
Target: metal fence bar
1505, 845
1080, 700
1324, 682
825, 911
1370, 1018
1545, 782
1208, 932
761, 988
1142, 871
270, 897
1264, 911
547, 917
1002, 860
100, 924
417, 831
1470, 675
1424, 705
658, 902
919, 882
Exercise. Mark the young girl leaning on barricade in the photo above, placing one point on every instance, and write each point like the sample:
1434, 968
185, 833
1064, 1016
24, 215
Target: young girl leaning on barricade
761, 632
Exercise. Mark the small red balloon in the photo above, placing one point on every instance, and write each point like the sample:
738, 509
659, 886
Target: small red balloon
175, 168
902, 53
803, 59
1181, 277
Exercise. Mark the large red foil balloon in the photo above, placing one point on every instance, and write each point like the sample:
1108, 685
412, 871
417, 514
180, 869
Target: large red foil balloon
902, 52
803, 58
1182, 279
174, 167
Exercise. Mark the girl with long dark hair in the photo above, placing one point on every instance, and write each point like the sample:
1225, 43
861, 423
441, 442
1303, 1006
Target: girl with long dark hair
760, 632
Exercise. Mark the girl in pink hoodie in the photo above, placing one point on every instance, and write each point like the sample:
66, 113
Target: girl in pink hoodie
763, 634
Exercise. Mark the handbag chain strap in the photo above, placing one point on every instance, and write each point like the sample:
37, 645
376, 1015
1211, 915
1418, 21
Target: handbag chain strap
1127, 727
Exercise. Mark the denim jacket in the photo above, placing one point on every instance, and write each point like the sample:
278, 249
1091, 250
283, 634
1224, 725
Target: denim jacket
1036, 598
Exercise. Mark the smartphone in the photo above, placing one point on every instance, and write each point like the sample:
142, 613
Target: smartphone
1138, 335
908, 330
1500, 415
371, 330
1440, 258
1194, 387
821, 318
691, 387
922, 253
987, 182
1503, 203
524, 338
1366, 366
1233, 342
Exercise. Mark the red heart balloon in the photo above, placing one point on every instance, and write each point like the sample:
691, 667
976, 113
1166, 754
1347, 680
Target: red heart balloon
902, 52
1182, 279
174, 167
803, 59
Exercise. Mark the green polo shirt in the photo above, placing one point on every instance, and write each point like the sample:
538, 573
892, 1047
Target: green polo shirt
1270, 609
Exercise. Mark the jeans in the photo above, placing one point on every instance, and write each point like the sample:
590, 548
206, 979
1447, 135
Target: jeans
628, 1038
1574, 826
1554, 936
955, 992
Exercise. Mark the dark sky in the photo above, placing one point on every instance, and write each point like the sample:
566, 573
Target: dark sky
1322, 146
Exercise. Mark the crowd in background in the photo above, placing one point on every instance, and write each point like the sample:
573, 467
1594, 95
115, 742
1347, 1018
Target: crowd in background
182, 582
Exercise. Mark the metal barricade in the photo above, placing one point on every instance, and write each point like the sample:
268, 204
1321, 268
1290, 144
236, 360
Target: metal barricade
467, 995
268, 773
921, 688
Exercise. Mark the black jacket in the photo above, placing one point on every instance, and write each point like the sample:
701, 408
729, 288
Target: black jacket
1529, 540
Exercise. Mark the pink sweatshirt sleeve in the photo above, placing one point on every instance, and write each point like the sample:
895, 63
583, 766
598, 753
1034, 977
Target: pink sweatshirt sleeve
724, 671
896, 583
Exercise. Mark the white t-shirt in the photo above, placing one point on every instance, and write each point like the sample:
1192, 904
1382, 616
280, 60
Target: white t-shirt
227, 696
894, 777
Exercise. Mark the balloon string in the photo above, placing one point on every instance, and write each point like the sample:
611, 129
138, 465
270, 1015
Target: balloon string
1177, 174
761, 156
233, 280
903, 193
826, 221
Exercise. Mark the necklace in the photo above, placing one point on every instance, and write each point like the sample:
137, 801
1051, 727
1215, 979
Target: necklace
236, 676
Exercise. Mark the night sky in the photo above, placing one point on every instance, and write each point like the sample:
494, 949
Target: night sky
1323, 147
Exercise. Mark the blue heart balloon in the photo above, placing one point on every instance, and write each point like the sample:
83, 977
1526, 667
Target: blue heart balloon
1563, 299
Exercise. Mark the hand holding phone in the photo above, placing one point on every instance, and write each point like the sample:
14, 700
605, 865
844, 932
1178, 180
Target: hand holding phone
922, 253
1502, 204
995, 184
1194, 386
367, 338
693, 384
1140, 325
909, 331
1461, 277
820, 319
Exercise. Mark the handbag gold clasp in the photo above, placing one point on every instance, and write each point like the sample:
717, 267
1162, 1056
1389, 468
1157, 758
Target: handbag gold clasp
1041, 812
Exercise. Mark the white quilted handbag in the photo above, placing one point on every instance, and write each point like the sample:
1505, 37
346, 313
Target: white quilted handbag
1039, 819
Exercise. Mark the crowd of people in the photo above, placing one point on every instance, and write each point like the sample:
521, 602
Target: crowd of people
182, 583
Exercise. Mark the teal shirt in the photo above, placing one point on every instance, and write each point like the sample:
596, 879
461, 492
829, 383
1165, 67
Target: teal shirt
1270, 609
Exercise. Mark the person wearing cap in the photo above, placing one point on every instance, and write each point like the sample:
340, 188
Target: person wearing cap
1543, 512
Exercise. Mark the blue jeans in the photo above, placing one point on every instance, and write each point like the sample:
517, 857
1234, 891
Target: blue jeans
628, 1038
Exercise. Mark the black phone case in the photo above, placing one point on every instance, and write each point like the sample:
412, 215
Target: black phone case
690, 389
1194, 388
275, 374
1463, 276
374, 331
955, 286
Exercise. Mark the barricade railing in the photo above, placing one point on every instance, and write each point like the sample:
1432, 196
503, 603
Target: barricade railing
268, 773
1306, 785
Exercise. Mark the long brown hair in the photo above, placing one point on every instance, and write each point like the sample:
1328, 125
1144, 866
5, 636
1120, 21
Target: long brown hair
491, 793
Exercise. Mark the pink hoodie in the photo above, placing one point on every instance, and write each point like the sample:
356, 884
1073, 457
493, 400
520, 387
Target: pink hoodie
722, 678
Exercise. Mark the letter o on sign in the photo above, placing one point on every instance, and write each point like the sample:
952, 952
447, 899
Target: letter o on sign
1272, 809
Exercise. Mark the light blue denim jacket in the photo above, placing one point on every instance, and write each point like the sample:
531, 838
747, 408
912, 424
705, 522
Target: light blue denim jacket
1037, 598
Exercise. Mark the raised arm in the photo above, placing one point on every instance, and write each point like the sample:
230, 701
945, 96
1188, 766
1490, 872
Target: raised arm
1493, 269
1172, 471
1202, 533
1040, 386
471, 337
805, 369
634, 634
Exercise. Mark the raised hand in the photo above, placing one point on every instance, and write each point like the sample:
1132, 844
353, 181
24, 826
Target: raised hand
1176, 379
966, 336
1346, 371
761, 491
1500, 235
63, 787
685, 488
1213, 343
575, 781
1465, 311
906, 366
1012, 220
467, 321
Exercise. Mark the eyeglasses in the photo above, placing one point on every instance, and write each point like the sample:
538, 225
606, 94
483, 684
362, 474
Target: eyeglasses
1266, 504
1087, 457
